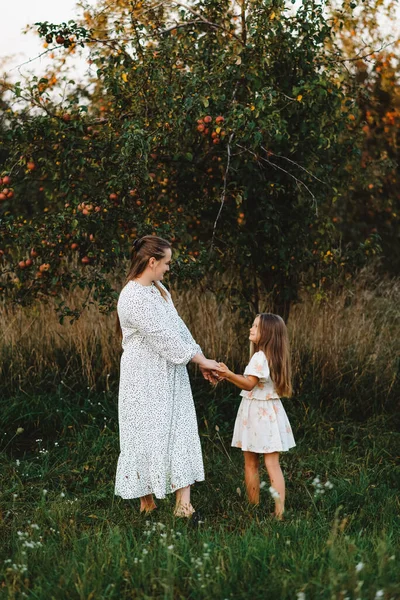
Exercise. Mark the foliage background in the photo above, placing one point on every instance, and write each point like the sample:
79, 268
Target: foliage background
290, 203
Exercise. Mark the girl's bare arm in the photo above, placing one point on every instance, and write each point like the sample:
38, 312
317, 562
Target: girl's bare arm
244, 383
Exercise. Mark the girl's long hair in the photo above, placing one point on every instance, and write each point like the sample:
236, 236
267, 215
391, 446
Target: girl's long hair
143, 249
274, 342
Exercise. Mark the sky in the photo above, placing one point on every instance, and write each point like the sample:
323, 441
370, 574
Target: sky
19, 48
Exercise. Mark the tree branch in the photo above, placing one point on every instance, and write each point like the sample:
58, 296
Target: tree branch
275, 166
294, 163
223, 195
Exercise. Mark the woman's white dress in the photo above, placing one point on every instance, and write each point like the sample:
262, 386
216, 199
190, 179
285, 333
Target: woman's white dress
261, 424
159, 440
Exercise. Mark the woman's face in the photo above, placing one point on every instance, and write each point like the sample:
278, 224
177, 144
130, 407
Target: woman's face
254, 334
162, 266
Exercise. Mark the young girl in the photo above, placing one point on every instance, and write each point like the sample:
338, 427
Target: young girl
262, 426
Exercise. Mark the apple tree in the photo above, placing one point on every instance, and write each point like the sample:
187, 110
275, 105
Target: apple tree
222, 126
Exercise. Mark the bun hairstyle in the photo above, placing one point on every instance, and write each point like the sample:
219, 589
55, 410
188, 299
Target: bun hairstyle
273, 340
144, 248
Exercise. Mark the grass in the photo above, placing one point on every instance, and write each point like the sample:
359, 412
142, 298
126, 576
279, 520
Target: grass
345, 349
81, 542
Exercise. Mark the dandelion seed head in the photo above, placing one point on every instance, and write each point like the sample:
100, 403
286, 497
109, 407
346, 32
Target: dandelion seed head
274, 493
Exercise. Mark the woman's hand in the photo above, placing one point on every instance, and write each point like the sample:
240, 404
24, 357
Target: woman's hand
209, 364
209, 375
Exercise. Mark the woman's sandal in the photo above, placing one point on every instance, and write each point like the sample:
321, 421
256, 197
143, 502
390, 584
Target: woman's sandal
185, 513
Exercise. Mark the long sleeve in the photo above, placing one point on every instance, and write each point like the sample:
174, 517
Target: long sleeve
146, 317
186, 335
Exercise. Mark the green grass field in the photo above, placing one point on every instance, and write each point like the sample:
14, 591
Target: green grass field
63, 534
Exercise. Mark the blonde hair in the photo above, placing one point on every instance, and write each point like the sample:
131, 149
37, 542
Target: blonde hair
144, 248
273, 340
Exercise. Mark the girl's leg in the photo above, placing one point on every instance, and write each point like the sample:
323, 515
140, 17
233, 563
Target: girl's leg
183, 508
251, 476
277, 481
147, 503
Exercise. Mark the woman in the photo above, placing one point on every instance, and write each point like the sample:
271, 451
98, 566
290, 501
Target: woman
159, 441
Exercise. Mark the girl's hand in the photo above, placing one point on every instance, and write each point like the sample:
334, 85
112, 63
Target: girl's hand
223, 371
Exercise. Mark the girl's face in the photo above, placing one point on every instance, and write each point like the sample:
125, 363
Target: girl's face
160, 267
254, 331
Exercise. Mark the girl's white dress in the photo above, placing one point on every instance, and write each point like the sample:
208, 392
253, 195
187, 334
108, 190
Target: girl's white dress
261, 424
159, 440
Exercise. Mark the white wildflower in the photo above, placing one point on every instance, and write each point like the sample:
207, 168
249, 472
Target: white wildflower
274, 493
359, 567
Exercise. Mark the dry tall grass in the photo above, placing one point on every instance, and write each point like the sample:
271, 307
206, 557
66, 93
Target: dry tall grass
349, 344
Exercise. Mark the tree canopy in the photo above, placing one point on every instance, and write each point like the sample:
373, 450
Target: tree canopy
239, 131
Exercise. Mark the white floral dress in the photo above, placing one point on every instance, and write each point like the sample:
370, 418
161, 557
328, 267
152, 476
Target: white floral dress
261, 424
159, 440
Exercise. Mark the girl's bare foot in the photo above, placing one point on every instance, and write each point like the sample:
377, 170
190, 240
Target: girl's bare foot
277, 516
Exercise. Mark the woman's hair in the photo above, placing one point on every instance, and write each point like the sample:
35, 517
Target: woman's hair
143, 249
273, 340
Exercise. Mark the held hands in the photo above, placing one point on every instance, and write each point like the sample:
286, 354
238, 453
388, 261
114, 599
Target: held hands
209, 370
223, 371
216, 374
